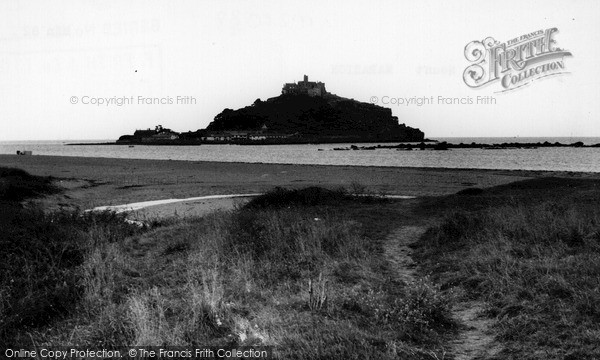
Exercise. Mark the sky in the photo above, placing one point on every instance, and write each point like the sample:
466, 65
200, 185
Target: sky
67, 65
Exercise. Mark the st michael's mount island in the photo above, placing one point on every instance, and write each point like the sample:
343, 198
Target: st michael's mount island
304, 113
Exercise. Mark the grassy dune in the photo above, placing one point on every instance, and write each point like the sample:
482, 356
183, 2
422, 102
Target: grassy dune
301, 270
304, 278
43, 256
531, 252
305, 271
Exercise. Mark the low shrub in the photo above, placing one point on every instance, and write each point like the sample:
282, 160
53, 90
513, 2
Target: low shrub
17, 185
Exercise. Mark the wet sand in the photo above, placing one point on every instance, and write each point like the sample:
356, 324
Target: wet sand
186, 209
92, 182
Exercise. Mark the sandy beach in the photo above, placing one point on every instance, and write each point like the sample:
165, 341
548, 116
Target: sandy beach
93, 182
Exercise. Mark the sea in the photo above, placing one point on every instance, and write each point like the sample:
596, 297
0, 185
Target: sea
551, 159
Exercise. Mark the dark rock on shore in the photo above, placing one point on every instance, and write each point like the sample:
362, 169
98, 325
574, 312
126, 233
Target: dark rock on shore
446, 146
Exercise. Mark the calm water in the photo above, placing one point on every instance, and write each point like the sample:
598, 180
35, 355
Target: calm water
562, 159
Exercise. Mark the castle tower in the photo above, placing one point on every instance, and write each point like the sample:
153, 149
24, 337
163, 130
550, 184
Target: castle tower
305, 78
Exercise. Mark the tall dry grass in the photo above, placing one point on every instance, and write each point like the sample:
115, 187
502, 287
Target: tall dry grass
536, 264
306, 275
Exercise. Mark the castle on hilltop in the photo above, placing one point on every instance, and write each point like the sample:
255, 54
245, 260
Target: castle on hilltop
305, 87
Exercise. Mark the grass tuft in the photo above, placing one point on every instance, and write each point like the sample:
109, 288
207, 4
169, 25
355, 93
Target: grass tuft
311, 196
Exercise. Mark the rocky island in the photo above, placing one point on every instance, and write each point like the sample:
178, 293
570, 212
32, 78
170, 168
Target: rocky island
304, 112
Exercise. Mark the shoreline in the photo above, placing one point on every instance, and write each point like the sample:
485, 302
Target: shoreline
426, 144
251, 143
